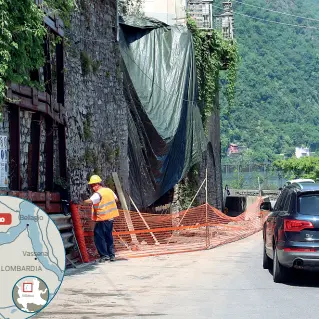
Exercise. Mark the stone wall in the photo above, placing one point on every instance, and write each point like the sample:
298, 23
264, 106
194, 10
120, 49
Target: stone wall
96, 112
25, 143
4, 124
25, 140
4, 130
42, 164
176, 204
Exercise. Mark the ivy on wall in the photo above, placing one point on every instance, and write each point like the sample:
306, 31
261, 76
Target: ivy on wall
213, 54
131, 7
216, 61
63, 8
21, 38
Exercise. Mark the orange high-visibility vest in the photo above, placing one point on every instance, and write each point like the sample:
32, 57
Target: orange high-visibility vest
106, 209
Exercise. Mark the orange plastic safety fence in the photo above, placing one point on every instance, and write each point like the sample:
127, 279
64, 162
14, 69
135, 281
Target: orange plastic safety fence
142, 234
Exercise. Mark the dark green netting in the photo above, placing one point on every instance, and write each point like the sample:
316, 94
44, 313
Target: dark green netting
166, 136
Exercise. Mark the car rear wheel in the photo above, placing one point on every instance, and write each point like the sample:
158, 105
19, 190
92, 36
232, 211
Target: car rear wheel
266, 260
279, 271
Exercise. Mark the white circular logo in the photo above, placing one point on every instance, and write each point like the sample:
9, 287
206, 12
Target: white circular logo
30, 294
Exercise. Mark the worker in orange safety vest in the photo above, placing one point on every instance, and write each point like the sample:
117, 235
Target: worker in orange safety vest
104, 210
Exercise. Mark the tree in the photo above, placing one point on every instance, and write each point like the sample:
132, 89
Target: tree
304, 167
21, 42
21, 39
276, 101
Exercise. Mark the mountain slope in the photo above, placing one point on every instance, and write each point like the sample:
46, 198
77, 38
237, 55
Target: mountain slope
277, 99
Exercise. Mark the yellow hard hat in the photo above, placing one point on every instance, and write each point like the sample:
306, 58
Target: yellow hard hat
95, 179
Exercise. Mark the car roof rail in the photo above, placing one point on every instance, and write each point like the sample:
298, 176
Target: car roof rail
305, 186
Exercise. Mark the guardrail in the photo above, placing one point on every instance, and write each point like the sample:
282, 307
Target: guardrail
272, 194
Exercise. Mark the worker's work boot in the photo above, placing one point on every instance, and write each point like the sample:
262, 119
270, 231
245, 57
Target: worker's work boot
104, 259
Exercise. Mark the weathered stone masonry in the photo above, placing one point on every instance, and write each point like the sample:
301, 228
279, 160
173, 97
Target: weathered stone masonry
25, 143
4, 129
96, 112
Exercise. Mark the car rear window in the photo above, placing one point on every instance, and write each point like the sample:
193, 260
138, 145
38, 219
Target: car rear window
309, 204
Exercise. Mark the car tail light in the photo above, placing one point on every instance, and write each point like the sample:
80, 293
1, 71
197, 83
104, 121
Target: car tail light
310, 250
296, 225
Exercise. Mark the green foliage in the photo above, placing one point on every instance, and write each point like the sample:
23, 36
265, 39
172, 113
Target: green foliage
88, 157
92, 161
85, 63
88, 65
188, 188
62, 182
95, 66
276, 98
304, 167
97, 171
21, 39
117, 152
62, 8
131, 7
87, 127
239, 182
111, 154
213, 54
85, 11
109, 182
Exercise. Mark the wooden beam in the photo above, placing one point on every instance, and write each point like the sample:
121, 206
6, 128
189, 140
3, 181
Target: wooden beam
52, 24
37, 196
14, 157
60, 72
29, 168
30, 99
145, 223
26, 103
49, 150
35, 152
62, 151
124, 206
47, 67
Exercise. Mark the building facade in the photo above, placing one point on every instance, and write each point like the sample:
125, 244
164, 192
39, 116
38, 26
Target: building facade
173, 12
224, 22
78, 125
170, 12
202, 12
302, 152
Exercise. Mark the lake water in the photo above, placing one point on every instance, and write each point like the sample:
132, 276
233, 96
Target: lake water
249, 179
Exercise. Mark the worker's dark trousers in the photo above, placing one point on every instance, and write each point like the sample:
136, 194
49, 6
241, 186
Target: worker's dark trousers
103, 238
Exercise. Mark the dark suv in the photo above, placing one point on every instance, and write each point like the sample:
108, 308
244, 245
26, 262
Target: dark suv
291, 231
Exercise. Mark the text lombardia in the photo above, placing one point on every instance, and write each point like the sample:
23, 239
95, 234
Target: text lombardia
21, 268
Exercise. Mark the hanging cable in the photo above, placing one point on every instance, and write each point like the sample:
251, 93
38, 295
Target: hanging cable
272, 21
275, 11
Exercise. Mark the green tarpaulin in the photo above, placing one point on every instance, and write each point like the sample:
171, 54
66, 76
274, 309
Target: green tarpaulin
166, 135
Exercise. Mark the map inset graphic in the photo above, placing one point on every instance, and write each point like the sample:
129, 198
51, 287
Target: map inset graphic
32, 262
30, 294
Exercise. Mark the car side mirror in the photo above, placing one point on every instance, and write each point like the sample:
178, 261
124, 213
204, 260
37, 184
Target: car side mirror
266, 206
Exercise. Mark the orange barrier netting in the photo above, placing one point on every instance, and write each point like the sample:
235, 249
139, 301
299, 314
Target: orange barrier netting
142, 234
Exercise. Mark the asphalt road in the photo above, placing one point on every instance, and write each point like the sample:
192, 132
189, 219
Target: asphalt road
226, 282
